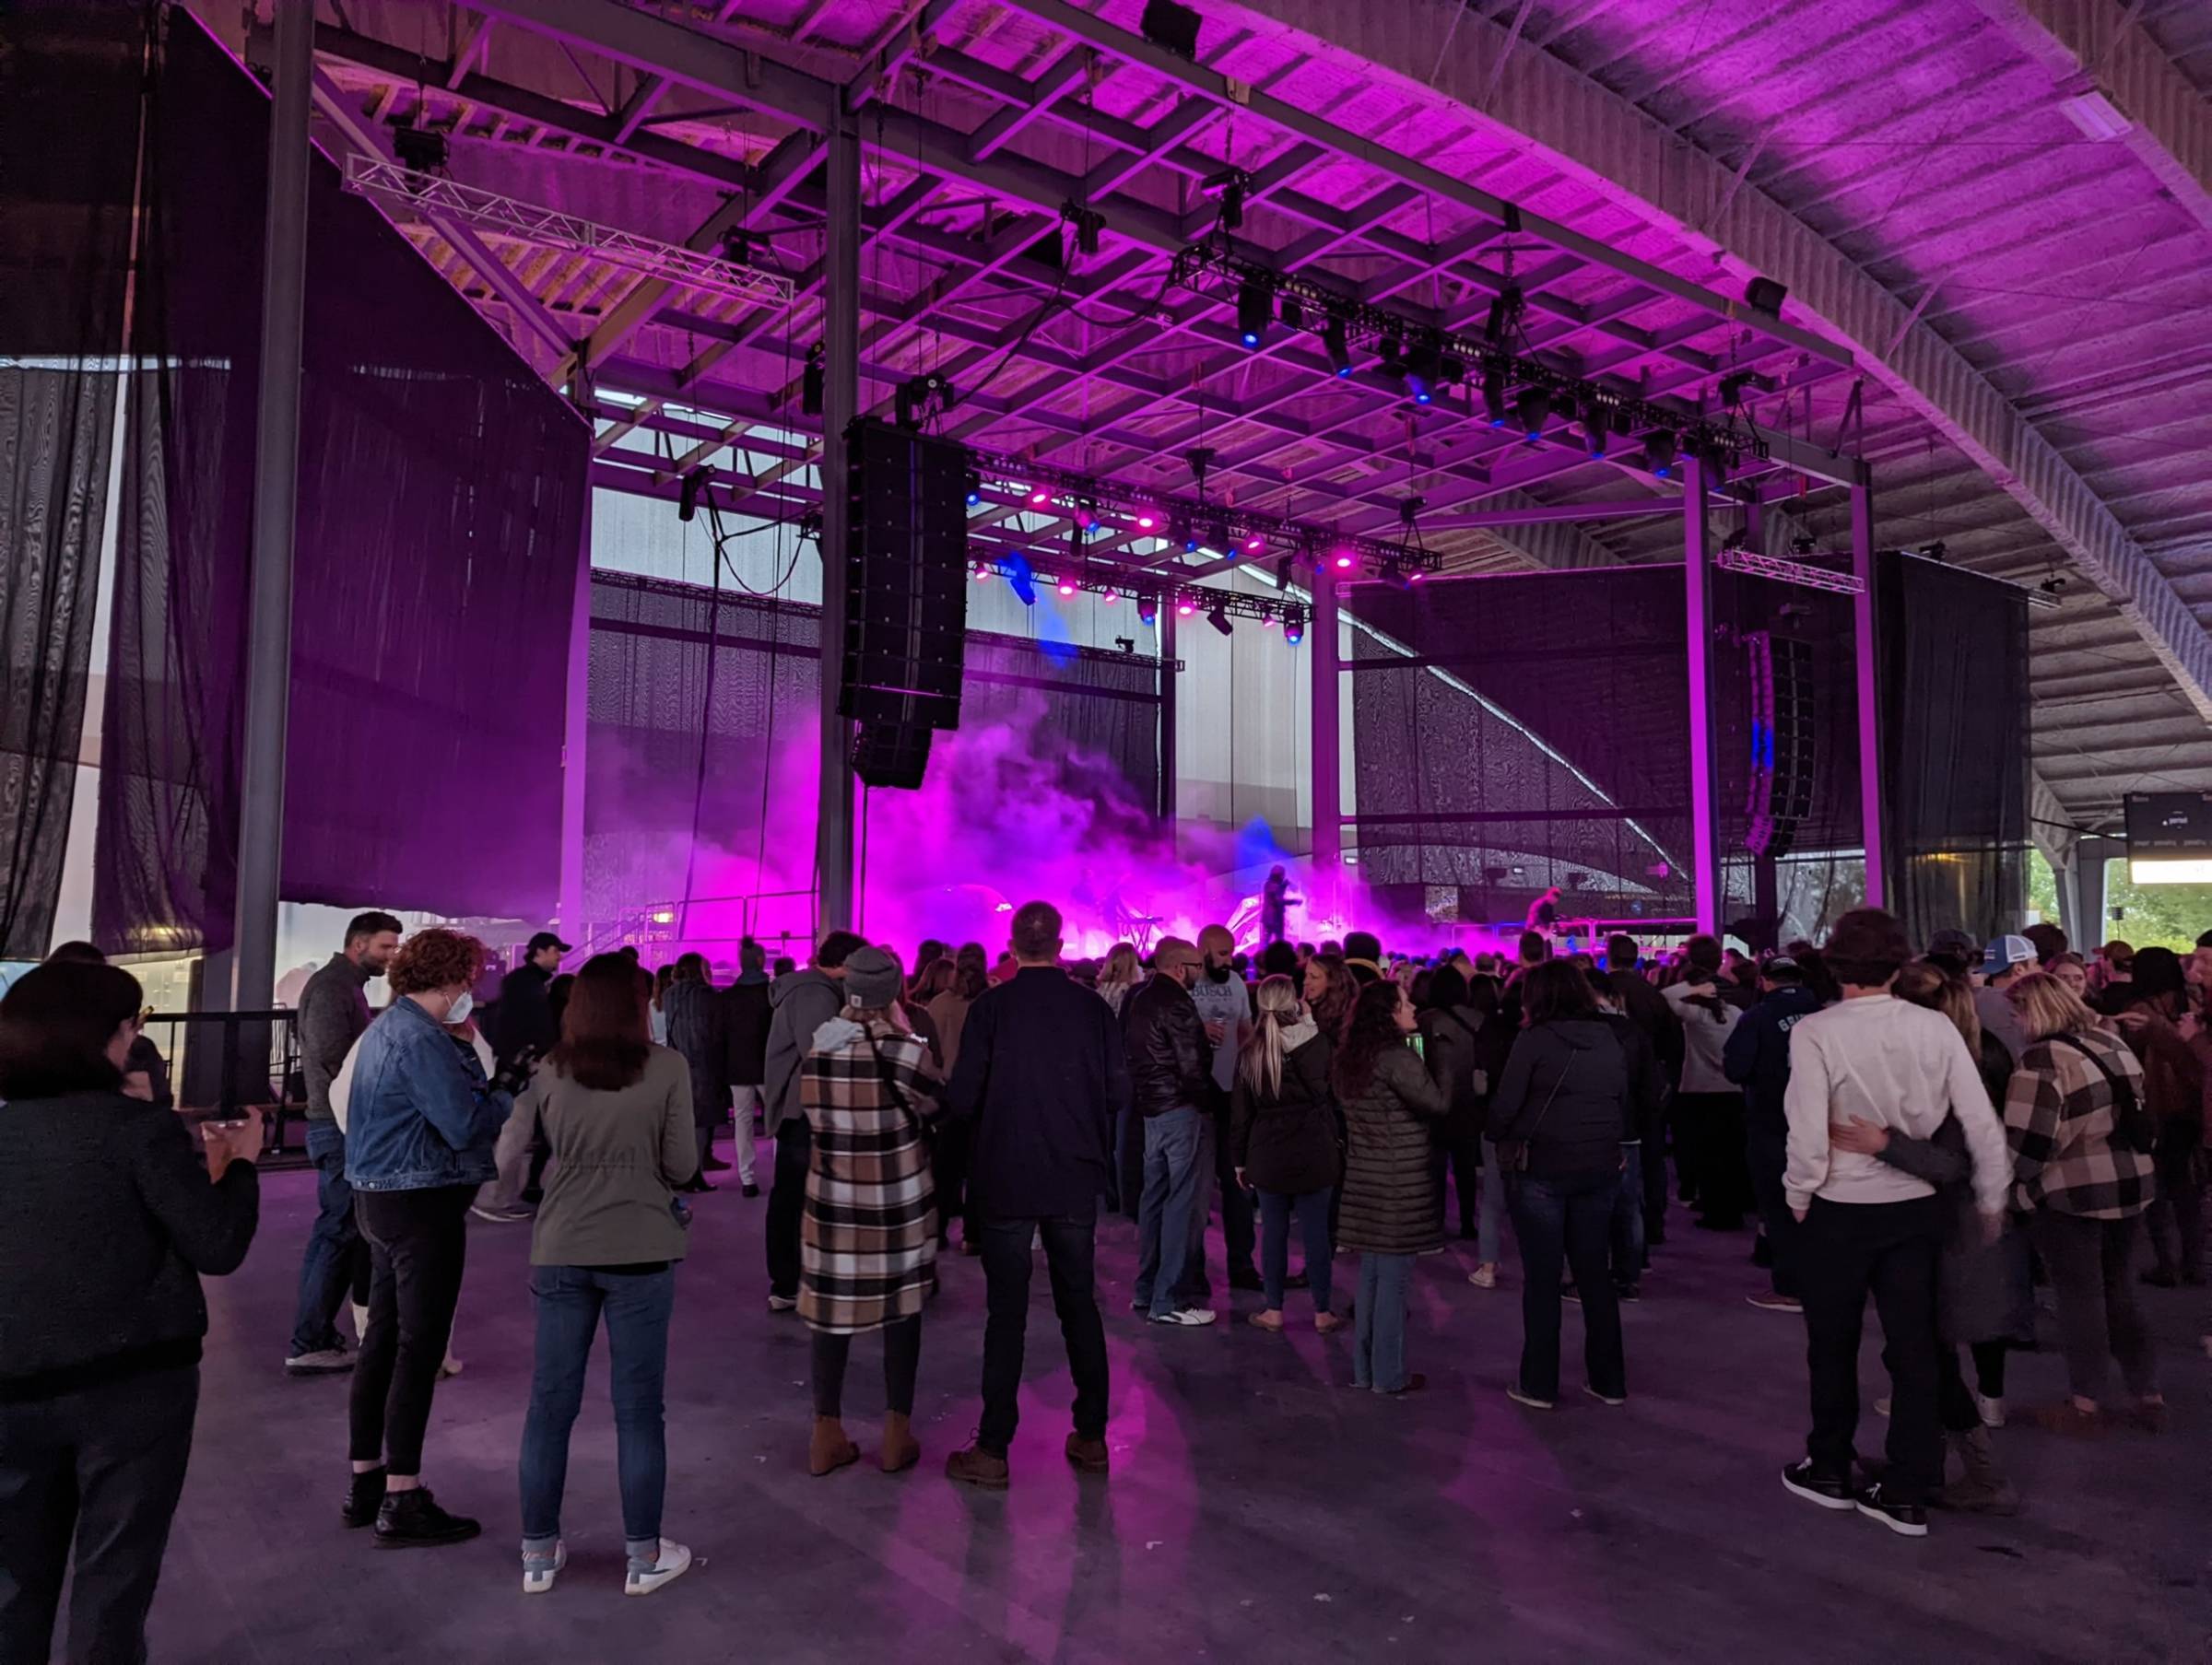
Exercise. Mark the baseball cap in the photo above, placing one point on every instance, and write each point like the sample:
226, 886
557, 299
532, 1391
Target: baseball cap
1954, 942
2005, 953
547, 938
1782, 964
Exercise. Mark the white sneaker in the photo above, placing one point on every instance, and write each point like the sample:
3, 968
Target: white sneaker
538, 1580
781, 1303
674, 1563
1991, 1411
361, 1321
1190, 1316
1881, 1405
449, 1367
1484, 1276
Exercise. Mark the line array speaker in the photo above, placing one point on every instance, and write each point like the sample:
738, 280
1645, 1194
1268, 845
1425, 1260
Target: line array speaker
906, 598
1785, 744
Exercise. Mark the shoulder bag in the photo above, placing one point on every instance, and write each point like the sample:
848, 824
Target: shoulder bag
1513, 1154
2132, 1126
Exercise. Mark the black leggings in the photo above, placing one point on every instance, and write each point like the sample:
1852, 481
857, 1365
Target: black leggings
901, 1359
418, 1244
1957, 1404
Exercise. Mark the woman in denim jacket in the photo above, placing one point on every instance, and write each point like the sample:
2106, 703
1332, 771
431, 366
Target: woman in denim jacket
422, 1121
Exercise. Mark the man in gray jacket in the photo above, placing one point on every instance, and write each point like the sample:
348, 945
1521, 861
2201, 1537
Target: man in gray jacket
333, 1011
803, 1003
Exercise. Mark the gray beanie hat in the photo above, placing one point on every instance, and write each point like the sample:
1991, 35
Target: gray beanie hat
872, 977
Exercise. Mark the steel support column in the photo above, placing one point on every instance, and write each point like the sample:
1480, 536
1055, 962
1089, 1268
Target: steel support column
276, 495
574, 729
1704, 773
1865, 652
1328, 800
1167, 648
840, 403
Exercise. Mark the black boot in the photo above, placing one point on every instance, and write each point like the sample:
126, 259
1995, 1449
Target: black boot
363, 1498
412, 1519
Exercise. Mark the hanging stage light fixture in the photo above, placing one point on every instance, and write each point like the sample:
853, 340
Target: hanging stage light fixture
1252, 313
1534, 409
1339, 350
1493, 397
1597, 426
1660, 451
1219, 620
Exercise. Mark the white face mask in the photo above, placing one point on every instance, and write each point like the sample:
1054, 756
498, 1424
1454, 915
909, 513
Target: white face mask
459, 1011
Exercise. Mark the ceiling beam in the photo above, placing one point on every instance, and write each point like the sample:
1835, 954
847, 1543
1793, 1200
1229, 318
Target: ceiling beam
2094, 46
1614, 150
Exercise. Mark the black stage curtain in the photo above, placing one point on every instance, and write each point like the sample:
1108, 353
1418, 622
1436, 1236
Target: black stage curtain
1955, 735
64, 256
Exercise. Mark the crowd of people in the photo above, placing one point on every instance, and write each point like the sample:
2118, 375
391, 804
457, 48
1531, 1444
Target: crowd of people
1931, 1133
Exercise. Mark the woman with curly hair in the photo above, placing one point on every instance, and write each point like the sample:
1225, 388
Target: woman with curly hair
422, 1124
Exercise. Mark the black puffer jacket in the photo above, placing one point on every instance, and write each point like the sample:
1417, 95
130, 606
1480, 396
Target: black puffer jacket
1286, 1141
1171, 1061
1393, 1202
1566, 1094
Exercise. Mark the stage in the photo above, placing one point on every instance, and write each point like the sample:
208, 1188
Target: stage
1259, 1508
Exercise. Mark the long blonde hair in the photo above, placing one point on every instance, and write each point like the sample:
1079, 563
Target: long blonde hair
1121, 967
1260, 1061
2048, 1007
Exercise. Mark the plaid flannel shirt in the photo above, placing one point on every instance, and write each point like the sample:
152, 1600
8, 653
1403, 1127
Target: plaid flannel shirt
2059, 1115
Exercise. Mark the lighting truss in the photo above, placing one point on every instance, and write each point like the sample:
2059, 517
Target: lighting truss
1065, 490
1048, 573
1208, 267
406, 193
1788, 572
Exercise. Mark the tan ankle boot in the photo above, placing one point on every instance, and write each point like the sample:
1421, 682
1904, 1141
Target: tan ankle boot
829, 1449
900, 1449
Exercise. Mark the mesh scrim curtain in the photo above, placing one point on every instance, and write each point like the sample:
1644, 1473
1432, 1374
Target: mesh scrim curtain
1955, 747
439, 523
1513, 733
702, 774
64, 252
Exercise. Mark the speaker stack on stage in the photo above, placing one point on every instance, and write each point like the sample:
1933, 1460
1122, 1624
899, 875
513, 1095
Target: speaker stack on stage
1784, 755
906, 597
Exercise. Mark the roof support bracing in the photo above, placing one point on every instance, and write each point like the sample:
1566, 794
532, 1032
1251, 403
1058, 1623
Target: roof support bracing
2094, 45
1615, 150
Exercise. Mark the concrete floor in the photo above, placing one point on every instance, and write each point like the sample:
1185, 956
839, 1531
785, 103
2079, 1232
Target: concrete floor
1259, 1508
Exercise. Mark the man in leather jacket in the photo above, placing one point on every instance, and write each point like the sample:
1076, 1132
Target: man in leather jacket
1170, 1070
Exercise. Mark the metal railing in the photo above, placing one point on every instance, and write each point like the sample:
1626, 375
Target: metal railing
223, 1063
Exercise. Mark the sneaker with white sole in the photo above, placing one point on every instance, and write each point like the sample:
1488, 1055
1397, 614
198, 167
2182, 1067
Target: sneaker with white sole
1484, 1277
360, 1321
512, 1213
539, 1571
1906, 1519
1991, 1411
1530, 1400
1189, 1318
673, 1563
1829, 1491
1881, 1405
1776, 1302
449, 1366
781, 1303
324, 1361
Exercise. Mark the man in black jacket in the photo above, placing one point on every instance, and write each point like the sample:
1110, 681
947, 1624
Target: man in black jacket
1643, 1005
334, 1012
1040, 1078
1171, 1076
1756, 1058
747, 1014
522, 1021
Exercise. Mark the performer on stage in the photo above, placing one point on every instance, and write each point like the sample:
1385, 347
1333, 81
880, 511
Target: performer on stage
1275, 901
1544, 912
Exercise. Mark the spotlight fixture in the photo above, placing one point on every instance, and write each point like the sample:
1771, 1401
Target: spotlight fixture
1294, 629
1252, 313
1284, 570
1180, 531
695, 487
1017, 580
1420, 373
1343, 561
1534, 409
420, 149
1292, 315
1085, 515
1039, 496
1109, 596
1146, 519
1067, 586
1493, 397
983, 572
975, 488
1713, 459
1268, 618
1255, 543
1660, 451
1394, 575
1184, 609
1597, 426
1219, 618
1089, 223
1148, 610
1339, 349
1764, 295
1128, 644
811, 380
1804, 546
1217, 537
1390, 355
1450, 369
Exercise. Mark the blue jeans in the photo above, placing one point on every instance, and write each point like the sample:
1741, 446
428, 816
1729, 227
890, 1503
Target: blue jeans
1489, 1213
1628, 1220
1570, 1217
570, 1301
1312, 1210
1378, 1327
1169, 1231
336, 1261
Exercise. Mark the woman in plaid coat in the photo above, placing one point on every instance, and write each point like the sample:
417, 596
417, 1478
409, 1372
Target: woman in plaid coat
868, 1241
